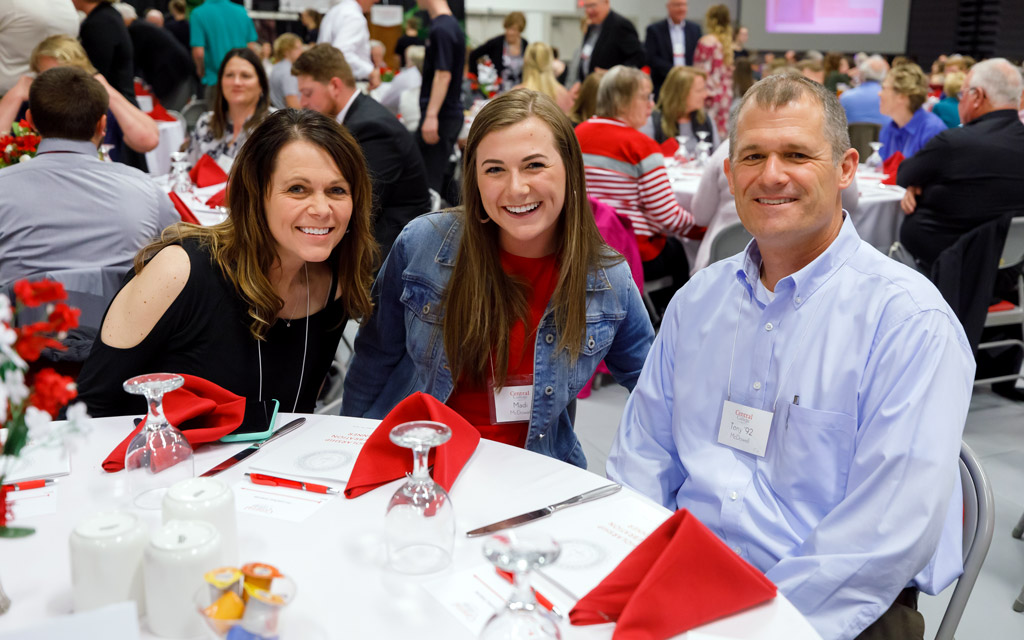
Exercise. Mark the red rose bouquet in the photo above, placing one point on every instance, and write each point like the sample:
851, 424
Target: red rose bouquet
18, 146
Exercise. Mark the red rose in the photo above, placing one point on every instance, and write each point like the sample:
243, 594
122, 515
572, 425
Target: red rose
33, 294
32, 339
63, 318
51, 391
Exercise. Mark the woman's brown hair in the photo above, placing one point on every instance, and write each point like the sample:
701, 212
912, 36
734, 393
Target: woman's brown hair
243, 246
675, 93
219, 121
482, 302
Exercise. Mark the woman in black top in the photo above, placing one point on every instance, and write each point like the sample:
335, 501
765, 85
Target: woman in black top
257, 303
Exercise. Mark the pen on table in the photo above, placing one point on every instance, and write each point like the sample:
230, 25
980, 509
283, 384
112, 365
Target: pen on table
272, 481
541, 600
30, 484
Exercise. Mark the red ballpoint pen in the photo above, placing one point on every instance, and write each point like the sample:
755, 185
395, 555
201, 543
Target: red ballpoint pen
30, 484
272, 481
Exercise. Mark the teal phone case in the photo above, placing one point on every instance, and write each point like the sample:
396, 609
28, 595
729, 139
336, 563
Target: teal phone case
255, 435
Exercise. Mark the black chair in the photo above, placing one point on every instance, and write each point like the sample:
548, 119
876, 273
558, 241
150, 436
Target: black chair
862, 134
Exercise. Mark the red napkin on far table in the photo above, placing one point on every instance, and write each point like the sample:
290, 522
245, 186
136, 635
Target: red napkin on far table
207, 172
202, 410
680, 577
217, 199
159, 113
380, 461
182, 209
891, 166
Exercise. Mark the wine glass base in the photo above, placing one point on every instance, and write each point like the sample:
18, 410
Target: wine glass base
150, 498
416, 559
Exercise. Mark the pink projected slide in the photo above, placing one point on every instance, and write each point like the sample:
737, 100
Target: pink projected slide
823, 16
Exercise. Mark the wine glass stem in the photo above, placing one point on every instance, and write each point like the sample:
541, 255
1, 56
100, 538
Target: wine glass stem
156, 410
419, 463
522, 592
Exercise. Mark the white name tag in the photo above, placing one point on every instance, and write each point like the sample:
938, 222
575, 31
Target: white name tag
587, 50
745, 428
513, 403
677, 48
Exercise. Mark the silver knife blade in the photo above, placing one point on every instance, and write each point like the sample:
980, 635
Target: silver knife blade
253, 448
516, 521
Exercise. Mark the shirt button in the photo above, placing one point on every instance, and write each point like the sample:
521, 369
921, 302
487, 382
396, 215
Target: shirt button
799, 299
733, 495
769, 326
549, 338
757, 385
549, 390
737, 550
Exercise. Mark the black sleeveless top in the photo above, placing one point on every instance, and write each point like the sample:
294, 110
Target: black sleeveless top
205, 333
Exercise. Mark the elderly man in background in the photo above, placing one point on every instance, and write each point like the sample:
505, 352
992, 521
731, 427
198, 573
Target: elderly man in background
610, 40
345, 27
23, 25
862, 103
155, 17
805, 398
66, 209
400, 192
671, 42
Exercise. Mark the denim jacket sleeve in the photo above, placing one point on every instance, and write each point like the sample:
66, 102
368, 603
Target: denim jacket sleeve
380, 343
634, 336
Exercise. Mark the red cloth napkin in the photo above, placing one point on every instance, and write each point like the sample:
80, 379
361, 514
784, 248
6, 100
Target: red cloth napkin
680, 577
380, 461
891, 166
217, 199
207, 172
182, 209
202, 410
159, 113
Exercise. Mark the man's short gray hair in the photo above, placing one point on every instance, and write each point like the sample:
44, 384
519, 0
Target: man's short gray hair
617, 88
874, 68
777, 91
126, 10
1000, 80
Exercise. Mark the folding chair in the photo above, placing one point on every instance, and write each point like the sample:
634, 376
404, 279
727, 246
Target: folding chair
729, 241
1012, 258
192, 111
979, 524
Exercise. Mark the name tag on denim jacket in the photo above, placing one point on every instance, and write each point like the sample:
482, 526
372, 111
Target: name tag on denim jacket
513, 402
745, 428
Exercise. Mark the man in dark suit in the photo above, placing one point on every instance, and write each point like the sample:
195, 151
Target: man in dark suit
671, 42
400, 191
610, 40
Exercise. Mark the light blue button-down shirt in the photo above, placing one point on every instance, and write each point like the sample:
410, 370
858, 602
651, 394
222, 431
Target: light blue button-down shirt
870, 375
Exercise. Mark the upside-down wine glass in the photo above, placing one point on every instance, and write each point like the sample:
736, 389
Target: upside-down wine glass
420, 521
522, 618
874, 161
158, 455
682, 155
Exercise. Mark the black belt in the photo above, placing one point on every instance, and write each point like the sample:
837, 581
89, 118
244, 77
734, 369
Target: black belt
908, 598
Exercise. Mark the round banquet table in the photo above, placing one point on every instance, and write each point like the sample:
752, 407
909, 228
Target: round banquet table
172, 135
336, 555
877, 217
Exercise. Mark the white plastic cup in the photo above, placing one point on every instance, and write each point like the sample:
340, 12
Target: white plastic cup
210, 500
106, 560
177, 557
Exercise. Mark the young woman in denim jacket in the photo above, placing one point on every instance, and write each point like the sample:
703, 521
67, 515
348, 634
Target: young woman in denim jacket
447, 311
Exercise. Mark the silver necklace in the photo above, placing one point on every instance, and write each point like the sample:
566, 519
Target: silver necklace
305, 347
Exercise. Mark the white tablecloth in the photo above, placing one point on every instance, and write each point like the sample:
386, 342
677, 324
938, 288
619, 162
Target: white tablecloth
336, 555
877, 217
172, 135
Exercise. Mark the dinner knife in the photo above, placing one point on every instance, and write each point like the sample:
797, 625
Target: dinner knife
508, 523
253, 448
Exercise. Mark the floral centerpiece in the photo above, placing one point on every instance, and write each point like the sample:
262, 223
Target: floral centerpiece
29, 400
485, 80
18, 146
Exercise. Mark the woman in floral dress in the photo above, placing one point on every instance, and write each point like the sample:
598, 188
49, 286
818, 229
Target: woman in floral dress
714, 57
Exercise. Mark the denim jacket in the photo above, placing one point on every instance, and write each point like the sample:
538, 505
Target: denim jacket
401, 349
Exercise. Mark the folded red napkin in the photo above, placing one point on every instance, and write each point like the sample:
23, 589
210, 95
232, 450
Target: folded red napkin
217, 199
680, 577
182, 209
891, 166
207, 172
380, 461
159, 113
202, 410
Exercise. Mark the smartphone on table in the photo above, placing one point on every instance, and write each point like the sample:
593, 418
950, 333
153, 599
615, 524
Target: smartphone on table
258, 422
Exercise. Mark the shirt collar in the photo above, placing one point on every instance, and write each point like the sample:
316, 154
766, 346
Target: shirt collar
805, 282
348, 105
915, 123
63, 145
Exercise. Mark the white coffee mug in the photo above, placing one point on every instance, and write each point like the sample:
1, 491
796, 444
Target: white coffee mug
177, 557
106, 560
210, 500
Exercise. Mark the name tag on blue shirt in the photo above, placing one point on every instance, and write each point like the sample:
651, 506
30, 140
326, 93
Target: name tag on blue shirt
745, 428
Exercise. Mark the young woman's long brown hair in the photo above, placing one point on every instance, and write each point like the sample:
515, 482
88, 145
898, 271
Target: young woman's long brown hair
482, 302
243, 246
219, 120
675, 93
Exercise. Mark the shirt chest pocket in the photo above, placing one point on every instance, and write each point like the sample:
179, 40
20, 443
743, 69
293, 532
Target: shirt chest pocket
423, 321
810, 454
600, 333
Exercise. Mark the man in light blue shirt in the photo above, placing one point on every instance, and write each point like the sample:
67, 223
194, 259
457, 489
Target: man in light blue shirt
862, 103
805, 399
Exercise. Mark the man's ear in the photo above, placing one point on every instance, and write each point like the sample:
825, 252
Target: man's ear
28, 118
726, 166
848, 167
101, 127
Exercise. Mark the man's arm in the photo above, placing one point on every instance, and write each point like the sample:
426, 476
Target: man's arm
643, 454
660, 64
199, 57
352, 38
140, 130
922, 169
903, 481
632, 52
438, 90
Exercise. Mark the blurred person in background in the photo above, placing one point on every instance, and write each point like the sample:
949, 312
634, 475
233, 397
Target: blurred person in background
538, 75
671, 42
311, 19
714, 56
948, 108
837, 67
284, 88
178, 24
585, 104
410, 37
23, 25
862, 103
680, 112
160, 59
506, 52
904, 92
